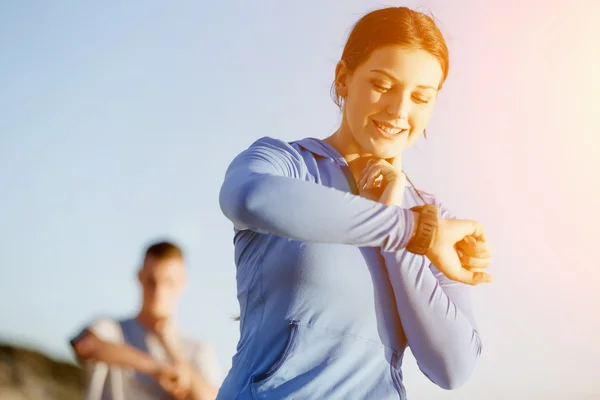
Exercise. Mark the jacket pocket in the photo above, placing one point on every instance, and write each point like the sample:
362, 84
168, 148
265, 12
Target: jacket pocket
291, 341
318, 363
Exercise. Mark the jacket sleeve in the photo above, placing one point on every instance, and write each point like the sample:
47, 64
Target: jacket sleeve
437, 317
265, 191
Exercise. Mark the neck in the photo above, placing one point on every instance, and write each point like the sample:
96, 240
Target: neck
343, 141
151, 322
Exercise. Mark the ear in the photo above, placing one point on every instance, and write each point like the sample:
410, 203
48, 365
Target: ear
140, 276
341, 78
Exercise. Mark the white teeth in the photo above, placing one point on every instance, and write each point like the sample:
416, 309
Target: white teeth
391, 131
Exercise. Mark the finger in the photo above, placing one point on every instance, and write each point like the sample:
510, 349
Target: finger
480, 244
482, 236
479, 232
378, 181
473, 228
477, 269
364, 175
390, 174
470, 277
364, 171
482, 249
465, 228
483, 242
479, 250
374, 175
383, 169
464, 248
465, 253
482, 277
369, 177
471, 263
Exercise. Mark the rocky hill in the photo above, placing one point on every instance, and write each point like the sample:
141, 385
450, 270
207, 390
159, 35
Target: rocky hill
27, 374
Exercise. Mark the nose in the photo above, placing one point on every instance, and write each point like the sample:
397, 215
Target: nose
399, 106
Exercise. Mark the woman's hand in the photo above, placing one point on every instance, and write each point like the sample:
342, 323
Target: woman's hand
474, 253
383, 181
460, 249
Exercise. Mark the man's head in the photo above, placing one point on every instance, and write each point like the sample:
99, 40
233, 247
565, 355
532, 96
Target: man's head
162, 277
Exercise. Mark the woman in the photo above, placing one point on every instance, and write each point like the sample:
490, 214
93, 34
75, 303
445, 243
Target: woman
333, 286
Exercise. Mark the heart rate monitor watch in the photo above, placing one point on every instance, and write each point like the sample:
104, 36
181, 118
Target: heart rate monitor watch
424, 233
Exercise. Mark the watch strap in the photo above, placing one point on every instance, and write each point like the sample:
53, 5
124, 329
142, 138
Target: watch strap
425, 230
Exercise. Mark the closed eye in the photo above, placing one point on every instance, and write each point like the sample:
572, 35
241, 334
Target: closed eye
381, 88
420, 100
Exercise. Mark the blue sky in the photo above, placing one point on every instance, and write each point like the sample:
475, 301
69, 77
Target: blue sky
118, 120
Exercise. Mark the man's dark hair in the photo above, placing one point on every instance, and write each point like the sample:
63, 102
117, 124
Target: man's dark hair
164, 250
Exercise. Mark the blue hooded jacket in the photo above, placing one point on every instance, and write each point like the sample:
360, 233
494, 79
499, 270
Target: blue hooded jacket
329, 298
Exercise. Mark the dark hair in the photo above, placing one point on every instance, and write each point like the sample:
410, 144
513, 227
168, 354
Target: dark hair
164, 250
392, 26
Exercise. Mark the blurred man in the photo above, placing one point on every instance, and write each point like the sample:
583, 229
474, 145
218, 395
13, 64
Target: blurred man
146, 357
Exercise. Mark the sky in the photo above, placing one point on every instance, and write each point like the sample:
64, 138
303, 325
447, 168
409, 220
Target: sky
118, 120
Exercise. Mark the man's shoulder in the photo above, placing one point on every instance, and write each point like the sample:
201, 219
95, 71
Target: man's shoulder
111, 322
105, 327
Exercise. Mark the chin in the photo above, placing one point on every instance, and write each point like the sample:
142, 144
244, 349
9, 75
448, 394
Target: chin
380, 148
161, 313
384, 151
387, 153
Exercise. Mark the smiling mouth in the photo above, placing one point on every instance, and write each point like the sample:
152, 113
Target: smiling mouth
388, 131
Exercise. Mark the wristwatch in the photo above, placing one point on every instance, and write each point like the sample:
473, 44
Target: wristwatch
425, 231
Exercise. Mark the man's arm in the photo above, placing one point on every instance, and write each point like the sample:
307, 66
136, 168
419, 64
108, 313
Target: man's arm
89, 347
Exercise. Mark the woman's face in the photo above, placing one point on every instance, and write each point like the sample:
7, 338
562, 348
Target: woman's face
388, 99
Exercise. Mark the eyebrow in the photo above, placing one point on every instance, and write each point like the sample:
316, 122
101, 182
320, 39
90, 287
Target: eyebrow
380, 71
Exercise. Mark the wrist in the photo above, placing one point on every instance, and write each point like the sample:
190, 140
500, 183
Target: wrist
153, 368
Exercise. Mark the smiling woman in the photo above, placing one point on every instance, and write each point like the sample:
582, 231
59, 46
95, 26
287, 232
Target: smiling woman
406, 29
340, 264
